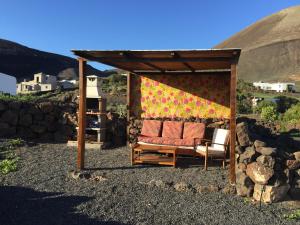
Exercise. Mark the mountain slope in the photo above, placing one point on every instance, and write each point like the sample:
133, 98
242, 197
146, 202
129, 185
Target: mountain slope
270, 47
22, 62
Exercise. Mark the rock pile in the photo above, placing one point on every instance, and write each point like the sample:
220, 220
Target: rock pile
263, 172
47, 121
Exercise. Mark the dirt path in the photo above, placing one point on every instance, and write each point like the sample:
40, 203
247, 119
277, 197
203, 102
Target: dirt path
41, 192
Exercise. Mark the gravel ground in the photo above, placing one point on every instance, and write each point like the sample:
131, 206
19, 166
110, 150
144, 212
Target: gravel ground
41, 192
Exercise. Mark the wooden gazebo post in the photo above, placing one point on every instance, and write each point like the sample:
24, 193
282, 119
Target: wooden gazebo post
233, 78
81, 115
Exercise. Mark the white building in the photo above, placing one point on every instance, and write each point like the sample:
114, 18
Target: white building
40, 82
7, 84
278, 87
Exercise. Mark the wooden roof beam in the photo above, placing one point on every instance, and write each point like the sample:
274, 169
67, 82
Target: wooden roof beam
130, 56
188, 66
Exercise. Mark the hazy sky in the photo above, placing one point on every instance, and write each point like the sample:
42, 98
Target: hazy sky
58, 26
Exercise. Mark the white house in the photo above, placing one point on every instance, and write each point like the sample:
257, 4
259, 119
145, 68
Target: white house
278, 87
40, 82
7, 84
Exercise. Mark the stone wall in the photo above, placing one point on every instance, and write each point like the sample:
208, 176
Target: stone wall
44, 121
265, 170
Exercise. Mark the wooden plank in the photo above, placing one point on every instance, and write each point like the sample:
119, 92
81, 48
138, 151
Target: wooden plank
233, 81
175, 73
129, 79
82, 114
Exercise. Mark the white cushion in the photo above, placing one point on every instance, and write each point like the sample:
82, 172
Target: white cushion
211, 151
220, 136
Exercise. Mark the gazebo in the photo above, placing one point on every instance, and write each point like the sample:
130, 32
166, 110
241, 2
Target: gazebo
170, 83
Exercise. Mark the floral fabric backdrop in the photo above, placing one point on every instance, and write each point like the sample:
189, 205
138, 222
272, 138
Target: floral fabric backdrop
184, 96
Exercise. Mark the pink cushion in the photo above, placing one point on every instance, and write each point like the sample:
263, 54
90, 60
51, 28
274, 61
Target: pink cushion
193, 130
172, 129
189, 142
151, 128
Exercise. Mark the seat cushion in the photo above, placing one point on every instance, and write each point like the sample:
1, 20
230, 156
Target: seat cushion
193, 130
151, 128
211, 151
189, 142
172, 129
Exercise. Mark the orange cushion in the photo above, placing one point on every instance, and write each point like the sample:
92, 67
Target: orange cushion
193, 130
172, 129
151, 128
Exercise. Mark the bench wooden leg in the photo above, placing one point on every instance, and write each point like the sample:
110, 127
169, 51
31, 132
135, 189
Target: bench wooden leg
174, 160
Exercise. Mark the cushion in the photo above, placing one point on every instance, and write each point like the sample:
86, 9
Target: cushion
220, 136
193, 130
167, 141
172, 129
211, 151
151, 128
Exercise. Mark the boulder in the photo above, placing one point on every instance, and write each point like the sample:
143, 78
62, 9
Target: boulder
7, 130
181, 187
267, 161
242, 134
239, 149
266, 150
39, 129
293, 164
269, 194
295, 193
206, 188
248, 155
244, 185
26, 133
229, 189
46, 107
25, 120
60, 136
10, 117
279, 178
259, 173
2, 106
259, 143
46, 137
38, 116
14, 105
4, 126
240, 167
297, 155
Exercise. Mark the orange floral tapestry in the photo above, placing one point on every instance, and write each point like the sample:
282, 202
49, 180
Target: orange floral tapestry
184, 96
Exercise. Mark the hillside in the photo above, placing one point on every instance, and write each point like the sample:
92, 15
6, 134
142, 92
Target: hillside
22, 62
270, 47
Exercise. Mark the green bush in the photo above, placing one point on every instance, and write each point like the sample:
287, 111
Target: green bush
263, 104
292, 115
269, 113
284, 103
8, 165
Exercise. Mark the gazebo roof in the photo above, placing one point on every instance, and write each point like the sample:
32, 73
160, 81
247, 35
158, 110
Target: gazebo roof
165, 61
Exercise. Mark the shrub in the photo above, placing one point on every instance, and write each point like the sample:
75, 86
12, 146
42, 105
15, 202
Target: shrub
263, 104
8, 165
284, 103
292, 115
269, 113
